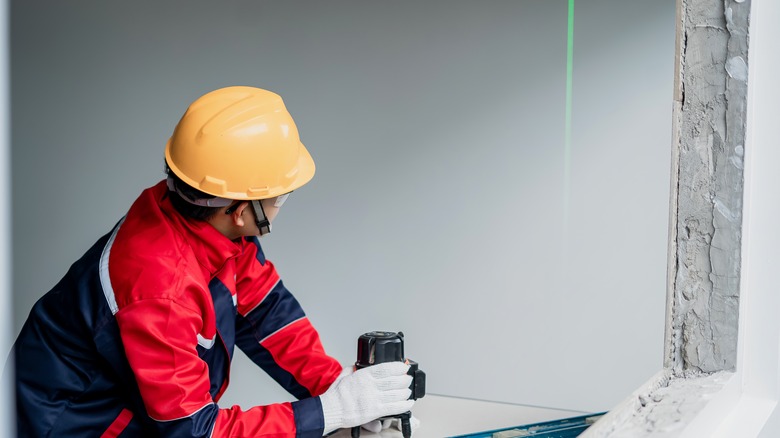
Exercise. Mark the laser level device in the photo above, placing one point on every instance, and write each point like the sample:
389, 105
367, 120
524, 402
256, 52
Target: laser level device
380, 347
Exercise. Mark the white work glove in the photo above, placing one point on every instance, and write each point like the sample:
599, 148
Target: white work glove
369, 393
377, 426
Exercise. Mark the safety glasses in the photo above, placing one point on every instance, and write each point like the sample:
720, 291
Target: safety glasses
280, 199
278, 202
262, 222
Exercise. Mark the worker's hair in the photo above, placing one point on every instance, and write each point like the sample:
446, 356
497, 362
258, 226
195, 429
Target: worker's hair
185, 208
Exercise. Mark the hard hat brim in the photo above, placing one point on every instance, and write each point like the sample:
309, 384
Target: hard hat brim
305, 172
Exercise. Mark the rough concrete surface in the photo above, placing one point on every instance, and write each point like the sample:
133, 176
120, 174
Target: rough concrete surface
709, 123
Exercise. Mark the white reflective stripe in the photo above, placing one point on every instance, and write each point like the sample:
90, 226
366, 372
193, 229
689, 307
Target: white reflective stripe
235, 300
264, 297
186, 416
105, 279
205, 343
285, 326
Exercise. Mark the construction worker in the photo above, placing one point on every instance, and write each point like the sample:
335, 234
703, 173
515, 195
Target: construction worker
137, 339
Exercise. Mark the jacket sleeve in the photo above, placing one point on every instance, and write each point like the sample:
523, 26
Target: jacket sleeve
161, 338
274, 332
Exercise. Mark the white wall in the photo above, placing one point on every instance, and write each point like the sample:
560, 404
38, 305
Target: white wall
438, 204
760, 330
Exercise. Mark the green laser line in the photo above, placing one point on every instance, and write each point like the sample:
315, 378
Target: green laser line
567, 128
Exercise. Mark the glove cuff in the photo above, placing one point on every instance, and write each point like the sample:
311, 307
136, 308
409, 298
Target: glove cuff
331, 412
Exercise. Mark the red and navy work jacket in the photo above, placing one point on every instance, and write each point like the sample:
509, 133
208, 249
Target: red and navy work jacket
136, 340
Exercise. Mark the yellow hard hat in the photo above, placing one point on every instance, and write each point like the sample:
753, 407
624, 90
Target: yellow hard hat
239, 143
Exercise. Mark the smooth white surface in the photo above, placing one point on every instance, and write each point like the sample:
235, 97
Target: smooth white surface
442, 416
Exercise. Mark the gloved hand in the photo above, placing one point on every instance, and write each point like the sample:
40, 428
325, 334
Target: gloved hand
373, 392
377, 426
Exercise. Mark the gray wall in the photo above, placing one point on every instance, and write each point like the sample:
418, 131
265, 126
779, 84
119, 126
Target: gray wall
6, 307
441, 206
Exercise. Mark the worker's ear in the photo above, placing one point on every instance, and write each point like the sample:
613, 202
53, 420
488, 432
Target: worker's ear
238, 214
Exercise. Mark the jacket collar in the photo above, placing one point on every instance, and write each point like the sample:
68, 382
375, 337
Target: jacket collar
211, 248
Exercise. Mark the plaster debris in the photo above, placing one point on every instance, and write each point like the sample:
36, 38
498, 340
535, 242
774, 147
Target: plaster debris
670, 407
662, 408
